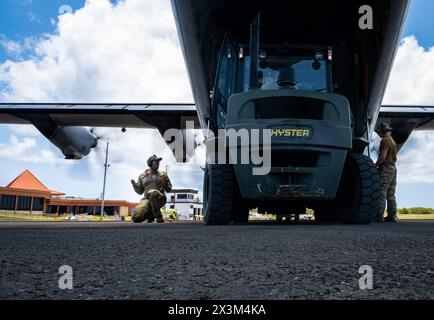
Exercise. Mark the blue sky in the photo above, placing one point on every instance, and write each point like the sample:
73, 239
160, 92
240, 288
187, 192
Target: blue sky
420, 22
30, 18
21, 20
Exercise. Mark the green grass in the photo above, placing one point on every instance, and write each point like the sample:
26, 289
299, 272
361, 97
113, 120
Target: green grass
416, 216
27, 217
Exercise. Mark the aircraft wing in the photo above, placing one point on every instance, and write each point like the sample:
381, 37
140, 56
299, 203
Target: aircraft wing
406, 119
64, 124
152, 115
423, 116
49, 117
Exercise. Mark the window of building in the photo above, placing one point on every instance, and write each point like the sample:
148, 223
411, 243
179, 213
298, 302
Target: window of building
172, 206
24, 203
38, 204
110, 211
7, 202
85, 210
63, 209
90, 211
185, 196
51, 209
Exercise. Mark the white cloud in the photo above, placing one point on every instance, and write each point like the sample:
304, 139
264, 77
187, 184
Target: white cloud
128, 52
411, 83
32, 17
16, 147
25, 149
29, 131
128, 153
12, 48
415, 164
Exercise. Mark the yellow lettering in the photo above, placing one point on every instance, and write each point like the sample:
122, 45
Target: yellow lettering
290, 133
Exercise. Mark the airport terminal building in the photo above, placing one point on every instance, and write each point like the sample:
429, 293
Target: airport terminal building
185, 202
27, 195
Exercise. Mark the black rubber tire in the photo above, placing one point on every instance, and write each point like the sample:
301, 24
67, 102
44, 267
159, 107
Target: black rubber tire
218, 194
240, 211
359, 191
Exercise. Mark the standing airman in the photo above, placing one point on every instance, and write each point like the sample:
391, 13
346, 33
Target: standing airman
386, 164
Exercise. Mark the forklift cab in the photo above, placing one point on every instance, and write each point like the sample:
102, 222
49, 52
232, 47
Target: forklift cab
294, 67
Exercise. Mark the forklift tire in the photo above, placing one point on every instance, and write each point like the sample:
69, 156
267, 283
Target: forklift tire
218, 194
240, 211
359, 191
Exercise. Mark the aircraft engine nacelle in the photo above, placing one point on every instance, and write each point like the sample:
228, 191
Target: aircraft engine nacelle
73, 142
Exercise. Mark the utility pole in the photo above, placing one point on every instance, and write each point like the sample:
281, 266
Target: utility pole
106, 165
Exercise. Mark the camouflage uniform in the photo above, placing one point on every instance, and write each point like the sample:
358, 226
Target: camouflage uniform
153, 185
388, 175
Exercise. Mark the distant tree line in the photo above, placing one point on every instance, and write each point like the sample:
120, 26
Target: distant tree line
416, 211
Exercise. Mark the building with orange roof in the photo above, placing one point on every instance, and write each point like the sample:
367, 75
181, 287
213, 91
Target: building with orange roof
26, 194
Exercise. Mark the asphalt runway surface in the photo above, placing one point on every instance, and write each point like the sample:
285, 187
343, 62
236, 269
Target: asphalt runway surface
193, 261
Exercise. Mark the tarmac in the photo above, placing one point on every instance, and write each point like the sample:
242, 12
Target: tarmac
261, 260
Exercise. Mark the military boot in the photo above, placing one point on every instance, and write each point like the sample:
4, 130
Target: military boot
391, 218
150, 217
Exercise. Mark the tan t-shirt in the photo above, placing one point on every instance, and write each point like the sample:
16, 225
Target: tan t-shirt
390, 144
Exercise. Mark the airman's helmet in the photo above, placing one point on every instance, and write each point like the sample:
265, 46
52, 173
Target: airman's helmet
152, 159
